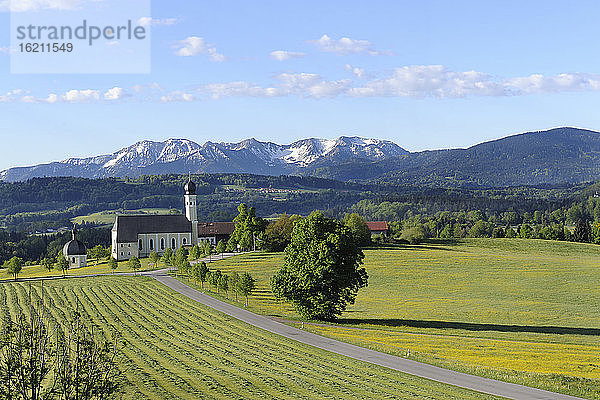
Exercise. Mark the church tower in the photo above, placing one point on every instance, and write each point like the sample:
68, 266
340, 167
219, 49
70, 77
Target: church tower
191, 212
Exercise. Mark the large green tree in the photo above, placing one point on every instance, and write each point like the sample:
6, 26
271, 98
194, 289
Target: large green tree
247, 226
359, 229
321, 273
279, 233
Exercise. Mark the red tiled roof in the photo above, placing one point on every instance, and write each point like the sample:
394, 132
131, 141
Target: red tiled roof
377, 225
215, 228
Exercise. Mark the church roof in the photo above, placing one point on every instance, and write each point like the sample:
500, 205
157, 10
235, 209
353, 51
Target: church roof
74, 248
215, 228
129, 226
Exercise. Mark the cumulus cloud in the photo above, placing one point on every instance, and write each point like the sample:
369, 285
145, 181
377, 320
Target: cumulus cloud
148, 21
194, 45
346, 45
282, 55
286, 84
81, 96
357, 72
416, 81
177, 96
115, 93
419, 81
537, 84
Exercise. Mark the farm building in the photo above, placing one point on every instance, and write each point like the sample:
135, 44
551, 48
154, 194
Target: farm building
378, 227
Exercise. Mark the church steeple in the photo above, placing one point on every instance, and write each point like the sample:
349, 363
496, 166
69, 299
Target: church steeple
190, 207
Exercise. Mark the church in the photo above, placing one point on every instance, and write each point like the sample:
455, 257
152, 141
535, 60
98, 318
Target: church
140, 235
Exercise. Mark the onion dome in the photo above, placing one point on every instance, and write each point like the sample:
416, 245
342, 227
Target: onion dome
190, 187
74, 247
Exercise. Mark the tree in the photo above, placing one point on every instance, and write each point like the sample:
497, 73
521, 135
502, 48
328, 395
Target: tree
245, 286
215, 277
77, 367
195, 252
47, 263
221, 247
413, 233
234, 281
278, 234
180, 259
224, 283
113, 264
134, 264
247, 224
15, 265
321, 274
359, 229
62, 264
583, 231
167, 257
203, 273
154, 258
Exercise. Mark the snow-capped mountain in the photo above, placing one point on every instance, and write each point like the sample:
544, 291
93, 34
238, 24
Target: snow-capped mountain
182, 155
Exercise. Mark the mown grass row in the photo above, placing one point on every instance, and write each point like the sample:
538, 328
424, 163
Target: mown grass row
176, 348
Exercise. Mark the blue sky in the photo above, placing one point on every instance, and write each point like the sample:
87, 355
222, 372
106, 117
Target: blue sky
428, 74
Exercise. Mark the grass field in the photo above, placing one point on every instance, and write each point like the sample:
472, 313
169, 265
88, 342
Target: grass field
524, 311
176, 348
37, 271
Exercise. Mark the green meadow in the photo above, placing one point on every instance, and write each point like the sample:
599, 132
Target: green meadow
175, 348
524, 311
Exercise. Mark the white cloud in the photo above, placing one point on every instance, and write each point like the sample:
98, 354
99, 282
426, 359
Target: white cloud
148, 21
538, 84
37, 5
357, 72
346, 45
81, 96
177, 96
194, 45
420, 81
298, 84
282, 55
52, 98
115, 93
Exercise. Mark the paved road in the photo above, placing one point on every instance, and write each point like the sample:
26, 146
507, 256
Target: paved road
479, 384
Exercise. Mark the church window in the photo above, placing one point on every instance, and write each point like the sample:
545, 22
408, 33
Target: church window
162, 243
173, 243
73, 260
184, 240
151, 244
141, 244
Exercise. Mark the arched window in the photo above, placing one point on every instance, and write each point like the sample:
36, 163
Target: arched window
173, 243
151, 244
184, 241
140, 244
73, 260
162, 243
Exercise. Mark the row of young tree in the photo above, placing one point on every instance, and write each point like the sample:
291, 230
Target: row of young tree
41, 360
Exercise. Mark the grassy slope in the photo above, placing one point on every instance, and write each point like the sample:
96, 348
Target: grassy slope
177, 348
475, 290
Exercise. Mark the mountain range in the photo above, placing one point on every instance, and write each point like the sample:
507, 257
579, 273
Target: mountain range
556, 156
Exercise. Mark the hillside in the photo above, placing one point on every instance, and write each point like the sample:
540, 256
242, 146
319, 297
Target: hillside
557, 156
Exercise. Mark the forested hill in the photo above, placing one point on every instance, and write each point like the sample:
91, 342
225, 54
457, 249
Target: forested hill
557, 156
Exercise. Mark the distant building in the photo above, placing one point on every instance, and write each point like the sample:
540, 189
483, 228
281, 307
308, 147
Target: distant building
378, 227
140, 235
75, 252
213, 232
